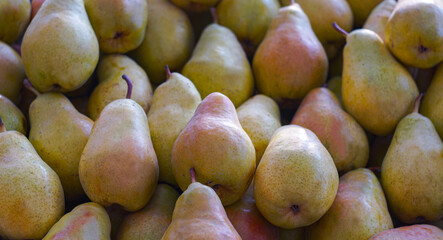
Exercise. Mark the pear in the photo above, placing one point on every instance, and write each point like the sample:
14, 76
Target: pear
433, 100
338, 131
32, 195
12, 117
259, 117
412, 171
359, 203
296, 180
215, 144
173, 105
334, 85
361, 9
59, 133
413, 232
111, 86
118, 164
291, 60
86, 221
118, 36
12, 72
378, 18
151, 222
59, 48
413, 32
199, 214
14, 18
35, 6
195, 5
248, 19
169, 40
219, 64
292, 234
377, 90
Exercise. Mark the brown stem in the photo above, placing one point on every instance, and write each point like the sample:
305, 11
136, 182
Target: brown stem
214, 15
340, 30
192, 172
292, 2
375, 169
417, 103
29, 86
128, 81
2, 126
168, 72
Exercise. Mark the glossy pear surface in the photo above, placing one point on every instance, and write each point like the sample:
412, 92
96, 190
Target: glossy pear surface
413, 232
379, 17
12, 72
433, 100
12, 117
14, 18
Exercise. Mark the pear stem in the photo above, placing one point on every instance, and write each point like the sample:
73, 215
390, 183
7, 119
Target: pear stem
292, 2
29, 86
2, 126
168, 72
214, 15
128, 81
417, 103
340, 30
375, 169
192, 173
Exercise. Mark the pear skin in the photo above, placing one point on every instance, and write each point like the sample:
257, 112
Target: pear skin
296, 180
12, 73
433, 100
413, 232
361, 9
195, 5
86, 221
12, 117
215, 144
379, 17
14, 18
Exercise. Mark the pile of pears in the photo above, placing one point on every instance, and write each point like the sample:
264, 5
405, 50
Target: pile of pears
221, 119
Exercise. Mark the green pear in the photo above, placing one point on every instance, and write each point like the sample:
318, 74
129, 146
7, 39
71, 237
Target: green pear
219, 64
412, 171
413, 232
414, 32
169, 40
118, 164
195, 5
359, 203
111, 86
31, 198
291, 60
12, 117
151, 222
12, 72
59, 133
378, 18
361, 9
376, 90
296, 180
118, 36
173, 105
433, 100
14, 18
215, 144
199, 214
334, 85
338, 131
59, 48
86, 221
259, 117
248, 19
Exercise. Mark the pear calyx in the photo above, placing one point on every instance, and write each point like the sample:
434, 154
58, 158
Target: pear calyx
128, 81
29, 86
339, 29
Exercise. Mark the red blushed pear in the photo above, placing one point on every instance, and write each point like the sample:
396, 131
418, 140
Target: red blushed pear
414, 232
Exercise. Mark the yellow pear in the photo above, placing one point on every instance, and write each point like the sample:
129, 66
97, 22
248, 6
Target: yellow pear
12, 117
433, 100
12, 72
379, 17
14, 18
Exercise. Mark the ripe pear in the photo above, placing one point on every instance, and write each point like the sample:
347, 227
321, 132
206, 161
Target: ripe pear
413, 232
118, 36
215, 144
151, 222
169, 40
412, 171
291, 60
59, 133
296, 180
433, 100
195, 5
377, 90
118, 164
199, 214
173, 105
248, 19
414, 32
12, 117
334, 85
12, 72
338, 131
14, 18
31, 198
259, 117
378, 18
111, 86
359, 203
86, 221
361, 9
59, 48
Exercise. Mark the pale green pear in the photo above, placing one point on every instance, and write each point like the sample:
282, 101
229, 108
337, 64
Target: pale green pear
12, 117
379, 17
12, 72
14, 18
433, 100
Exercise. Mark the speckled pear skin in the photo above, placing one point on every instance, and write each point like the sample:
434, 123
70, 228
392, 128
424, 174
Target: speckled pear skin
413, 232
433, 100
295, 172
86, 221
359, 203
215, 144
12, 117
14, 18
195, 5
338, 131
199, 214
12, 72
32, 194
378, 18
